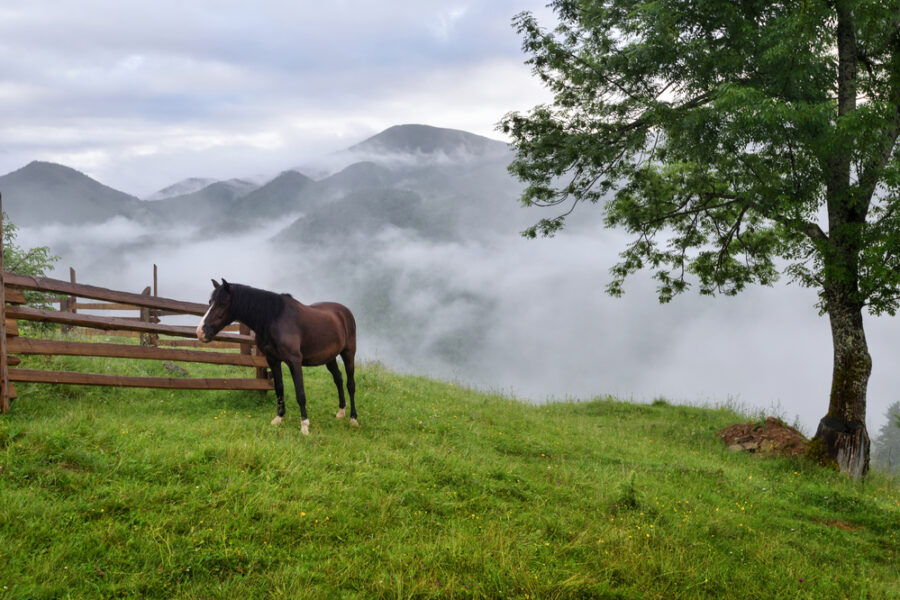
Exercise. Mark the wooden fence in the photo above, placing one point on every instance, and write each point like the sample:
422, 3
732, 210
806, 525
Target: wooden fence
13, 309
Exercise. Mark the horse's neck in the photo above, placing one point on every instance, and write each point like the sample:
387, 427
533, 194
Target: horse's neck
254, 318
248, 318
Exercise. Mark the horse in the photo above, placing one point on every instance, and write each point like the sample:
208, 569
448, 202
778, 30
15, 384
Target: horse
291, 332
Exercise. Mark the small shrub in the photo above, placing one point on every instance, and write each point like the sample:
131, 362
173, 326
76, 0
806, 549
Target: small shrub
629, 497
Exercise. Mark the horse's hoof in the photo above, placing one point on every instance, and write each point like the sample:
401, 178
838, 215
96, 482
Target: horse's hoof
354, 422
276, 421
340, 414
304, 426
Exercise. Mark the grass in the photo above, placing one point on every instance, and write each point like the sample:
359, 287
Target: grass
443, 492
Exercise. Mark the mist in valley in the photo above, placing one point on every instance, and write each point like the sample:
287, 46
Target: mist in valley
425, 249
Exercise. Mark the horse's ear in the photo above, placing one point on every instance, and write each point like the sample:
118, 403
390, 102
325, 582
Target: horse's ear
215, 283
225, 284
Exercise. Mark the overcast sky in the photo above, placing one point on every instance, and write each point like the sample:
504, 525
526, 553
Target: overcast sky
142, 94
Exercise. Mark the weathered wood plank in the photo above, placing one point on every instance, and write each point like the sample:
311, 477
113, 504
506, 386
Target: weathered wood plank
34, 346
15, 296
104, 306
46, 284
181, 343
197, 344
53, 316
170, 383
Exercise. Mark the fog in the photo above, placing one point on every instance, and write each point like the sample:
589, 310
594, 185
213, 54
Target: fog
528, 318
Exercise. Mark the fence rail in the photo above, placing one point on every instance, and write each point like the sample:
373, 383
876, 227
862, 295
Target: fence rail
147, 325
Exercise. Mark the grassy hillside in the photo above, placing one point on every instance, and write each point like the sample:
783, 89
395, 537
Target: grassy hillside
441, 493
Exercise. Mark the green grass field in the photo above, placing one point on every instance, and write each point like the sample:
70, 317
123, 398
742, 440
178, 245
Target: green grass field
443, 492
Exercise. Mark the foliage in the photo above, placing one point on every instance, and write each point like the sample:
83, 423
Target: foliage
886, 446
718, 133
33, 261
442, 492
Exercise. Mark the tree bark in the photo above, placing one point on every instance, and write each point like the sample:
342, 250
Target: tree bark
842, 436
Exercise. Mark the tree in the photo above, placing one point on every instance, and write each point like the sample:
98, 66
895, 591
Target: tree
736, 141
33, 261
886, 445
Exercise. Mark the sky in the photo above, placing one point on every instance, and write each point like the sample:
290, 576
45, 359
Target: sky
140, 95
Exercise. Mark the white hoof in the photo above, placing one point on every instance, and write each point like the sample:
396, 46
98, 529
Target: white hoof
304, 426
354, 422
276, 421
340, 414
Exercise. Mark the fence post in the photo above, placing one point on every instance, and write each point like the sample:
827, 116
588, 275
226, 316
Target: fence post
4, 368
155, 312
249, 349
68, 302
147, 339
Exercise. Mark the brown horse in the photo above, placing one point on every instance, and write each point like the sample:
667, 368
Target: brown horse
286, 330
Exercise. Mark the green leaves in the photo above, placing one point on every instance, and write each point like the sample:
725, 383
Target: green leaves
33, 261
689, 223
710, 131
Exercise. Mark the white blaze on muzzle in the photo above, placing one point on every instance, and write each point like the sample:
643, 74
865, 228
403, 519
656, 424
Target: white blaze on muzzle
202, 323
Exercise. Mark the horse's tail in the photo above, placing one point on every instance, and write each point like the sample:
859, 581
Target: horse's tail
350, 324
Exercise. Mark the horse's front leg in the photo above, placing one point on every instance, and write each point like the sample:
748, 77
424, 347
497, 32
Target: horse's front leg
275, 367
297, 374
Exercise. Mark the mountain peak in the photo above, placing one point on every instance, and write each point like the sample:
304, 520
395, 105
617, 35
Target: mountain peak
44, 192
429, 140
183, 187
40, 168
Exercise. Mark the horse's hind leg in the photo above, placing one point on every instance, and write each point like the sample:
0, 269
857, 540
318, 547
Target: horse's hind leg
335, 371
348, 356
297, 374
275, 367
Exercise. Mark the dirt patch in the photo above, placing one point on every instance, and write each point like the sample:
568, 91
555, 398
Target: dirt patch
772, 437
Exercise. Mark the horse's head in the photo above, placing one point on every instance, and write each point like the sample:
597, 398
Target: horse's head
219, 313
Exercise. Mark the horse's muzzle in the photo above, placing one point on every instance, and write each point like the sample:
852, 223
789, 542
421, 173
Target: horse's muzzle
201, 334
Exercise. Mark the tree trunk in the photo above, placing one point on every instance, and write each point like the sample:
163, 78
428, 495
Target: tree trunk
842, 436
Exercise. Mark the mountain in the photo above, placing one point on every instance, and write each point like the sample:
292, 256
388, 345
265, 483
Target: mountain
356, 177
210, 202
456, 177
425, 141
282, 195
182, 188
364, 214
43, 192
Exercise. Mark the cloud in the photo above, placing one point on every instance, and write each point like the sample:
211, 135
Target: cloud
528, 317
143, 95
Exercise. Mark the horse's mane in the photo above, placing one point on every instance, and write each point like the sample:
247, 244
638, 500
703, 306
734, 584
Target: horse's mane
254, 307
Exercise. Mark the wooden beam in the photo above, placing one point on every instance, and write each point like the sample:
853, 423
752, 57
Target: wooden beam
196, 344
15, 296
181, 343
45, 284
170, 383
53, 316
32, 346
105, 306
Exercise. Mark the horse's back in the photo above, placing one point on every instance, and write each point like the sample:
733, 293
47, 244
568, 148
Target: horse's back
343, 315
